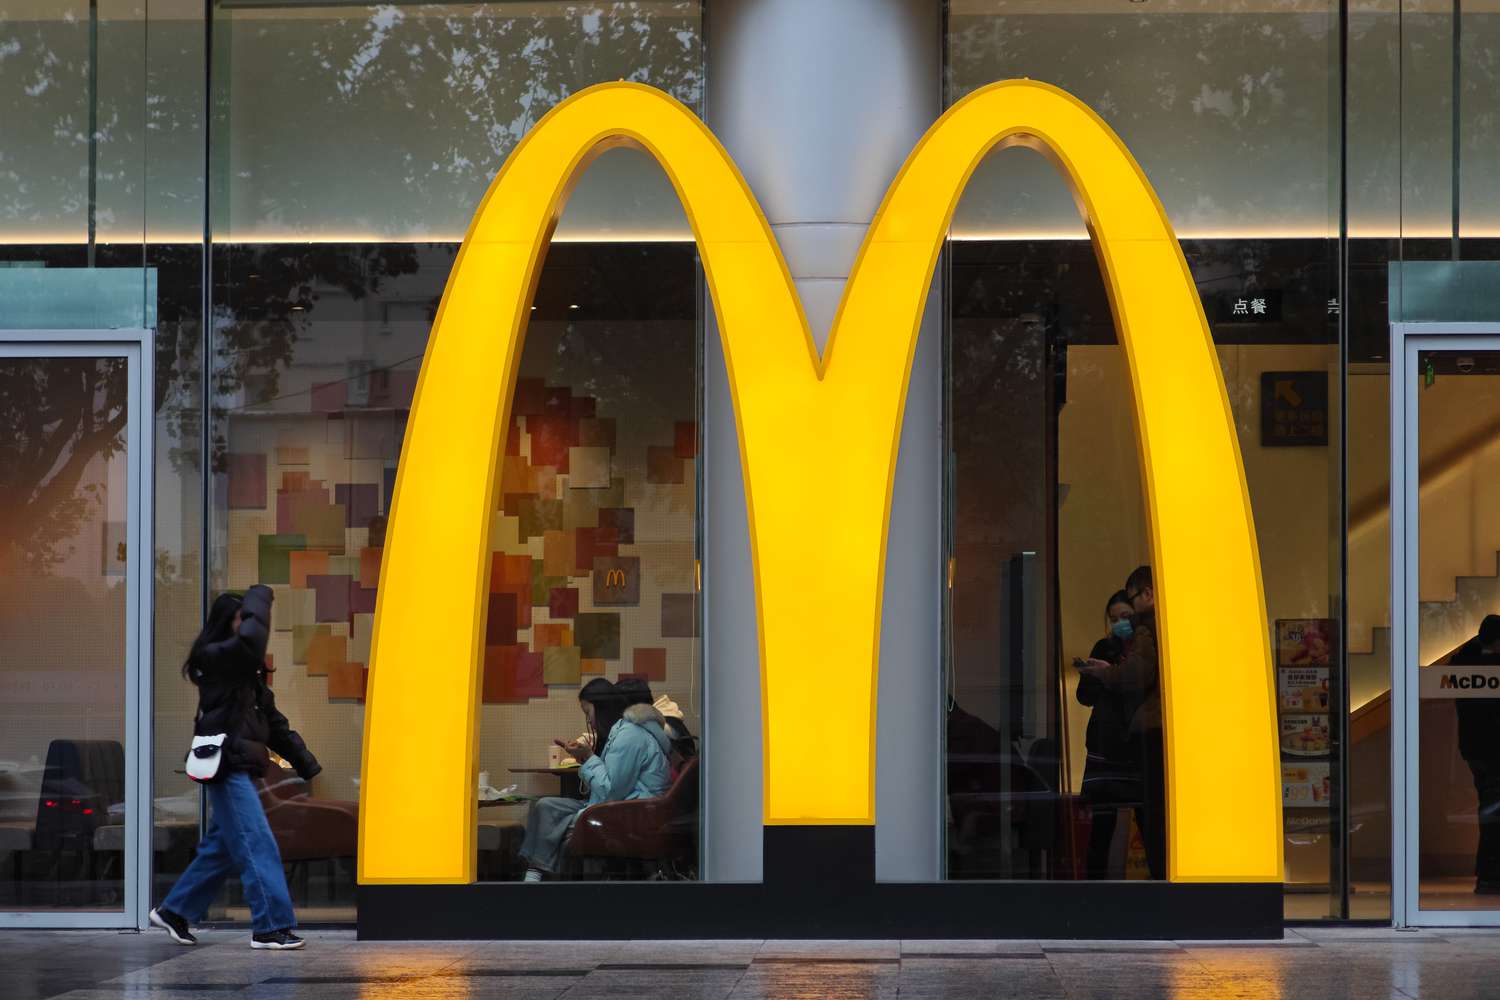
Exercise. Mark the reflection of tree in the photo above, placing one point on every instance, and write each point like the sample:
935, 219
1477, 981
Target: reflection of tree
66, 412
449, 88
44, 103
1225, 105
60, 415
264, 297
440, 94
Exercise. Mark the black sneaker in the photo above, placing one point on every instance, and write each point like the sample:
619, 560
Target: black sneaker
175, 926
282, 940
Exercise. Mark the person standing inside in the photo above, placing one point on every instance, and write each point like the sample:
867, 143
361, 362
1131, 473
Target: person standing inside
228, 665
1137, 679
1479, 745
1111, 772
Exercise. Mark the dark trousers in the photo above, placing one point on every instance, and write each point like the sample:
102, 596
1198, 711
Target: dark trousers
1487, 785
1154, 822
1103, 818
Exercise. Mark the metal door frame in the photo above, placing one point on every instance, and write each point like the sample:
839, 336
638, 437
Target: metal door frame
1407, 340
136, 346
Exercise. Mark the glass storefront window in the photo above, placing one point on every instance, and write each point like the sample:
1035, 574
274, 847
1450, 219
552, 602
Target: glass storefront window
72, 155
278, 192
350, 146
74, 212
1233, 115
63, 627
1374, 195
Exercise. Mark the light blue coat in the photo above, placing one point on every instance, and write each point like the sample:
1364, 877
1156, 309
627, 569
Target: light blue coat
634, 762
632, 766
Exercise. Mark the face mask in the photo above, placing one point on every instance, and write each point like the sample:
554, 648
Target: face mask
1121, 629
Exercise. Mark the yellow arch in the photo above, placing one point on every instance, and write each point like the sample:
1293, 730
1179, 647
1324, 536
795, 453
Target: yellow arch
1218, 689
818, 618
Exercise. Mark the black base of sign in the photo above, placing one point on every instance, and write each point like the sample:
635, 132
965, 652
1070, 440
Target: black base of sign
820, 883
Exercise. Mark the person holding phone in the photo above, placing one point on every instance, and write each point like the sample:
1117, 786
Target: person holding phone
1137, 679
1111, 771
630, 763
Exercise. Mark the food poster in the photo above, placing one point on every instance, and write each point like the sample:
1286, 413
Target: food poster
1302, 689
1304, 736
1305, 785
1304, 642
1305, 658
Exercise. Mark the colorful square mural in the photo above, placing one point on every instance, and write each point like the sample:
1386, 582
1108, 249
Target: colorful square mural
592, 566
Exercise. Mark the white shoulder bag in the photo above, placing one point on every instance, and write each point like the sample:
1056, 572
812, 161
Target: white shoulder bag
204, 758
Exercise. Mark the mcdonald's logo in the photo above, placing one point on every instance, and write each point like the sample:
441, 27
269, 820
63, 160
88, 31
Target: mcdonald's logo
819, 673
615, 578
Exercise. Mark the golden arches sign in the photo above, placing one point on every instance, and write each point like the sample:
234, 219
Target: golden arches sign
818, 668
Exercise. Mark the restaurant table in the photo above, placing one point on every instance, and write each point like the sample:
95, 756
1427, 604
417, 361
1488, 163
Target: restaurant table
567, 778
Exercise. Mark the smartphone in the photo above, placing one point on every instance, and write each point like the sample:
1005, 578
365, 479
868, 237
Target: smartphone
1079, 663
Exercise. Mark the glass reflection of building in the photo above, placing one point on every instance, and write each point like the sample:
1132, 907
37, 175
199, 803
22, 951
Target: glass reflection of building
277, 193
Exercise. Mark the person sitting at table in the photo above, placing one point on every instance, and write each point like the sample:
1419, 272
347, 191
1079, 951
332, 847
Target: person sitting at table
635, 691
631, 764
684, 745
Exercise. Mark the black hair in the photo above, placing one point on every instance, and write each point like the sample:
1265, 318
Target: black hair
1489, 630
1139, 580
1118, 597
218, 627
609, 707
635, 691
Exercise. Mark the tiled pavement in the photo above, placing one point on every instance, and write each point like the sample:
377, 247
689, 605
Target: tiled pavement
1313, 963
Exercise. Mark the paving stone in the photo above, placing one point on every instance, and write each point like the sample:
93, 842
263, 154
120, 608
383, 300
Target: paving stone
1306, 964
836, 950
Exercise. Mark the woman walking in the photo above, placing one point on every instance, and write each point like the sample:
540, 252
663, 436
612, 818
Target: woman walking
228, 665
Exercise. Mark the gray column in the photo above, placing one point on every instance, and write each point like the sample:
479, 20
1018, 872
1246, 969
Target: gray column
819, 103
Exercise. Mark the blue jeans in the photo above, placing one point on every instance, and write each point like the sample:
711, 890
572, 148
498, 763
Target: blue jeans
238, 839
548, 824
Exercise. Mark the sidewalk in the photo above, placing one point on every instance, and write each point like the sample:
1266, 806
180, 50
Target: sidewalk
1313, 963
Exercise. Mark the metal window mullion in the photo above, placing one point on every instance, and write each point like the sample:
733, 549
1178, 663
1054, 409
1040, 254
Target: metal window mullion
1399, 894
1405, 667
129, 858
142, 690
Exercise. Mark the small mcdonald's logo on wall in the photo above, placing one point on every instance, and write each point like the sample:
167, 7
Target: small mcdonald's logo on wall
617, 581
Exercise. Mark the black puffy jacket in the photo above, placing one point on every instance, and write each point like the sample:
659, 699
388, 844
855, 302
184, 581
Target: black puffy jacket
233, 697
1111, 751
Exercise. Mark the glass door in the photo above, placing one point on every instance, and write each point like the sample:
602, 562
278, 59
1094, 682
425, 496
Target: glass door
1448, 590
71, 589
